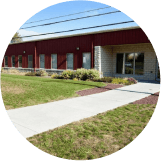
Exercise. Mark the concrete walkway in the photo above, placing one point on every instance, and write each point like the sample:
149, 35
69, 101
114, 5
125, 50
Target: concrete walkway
35, 119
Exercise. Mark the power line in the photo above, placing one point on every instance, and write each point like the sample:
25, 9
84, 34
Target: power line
119, 23
68, 15
70, 20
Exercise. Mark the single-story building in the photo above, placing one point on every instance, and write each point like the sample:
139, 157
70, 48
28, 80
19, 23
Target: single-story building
125, 52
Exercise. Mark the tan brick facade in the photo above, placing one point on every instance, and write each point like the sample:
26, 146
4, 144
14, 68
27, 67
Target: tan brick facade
105, 59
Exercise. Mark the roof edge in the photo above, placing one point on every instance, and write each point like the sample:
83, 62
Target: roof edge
81, 34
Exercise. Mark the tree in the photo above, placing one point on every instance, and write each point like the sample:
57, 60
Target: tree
16, 38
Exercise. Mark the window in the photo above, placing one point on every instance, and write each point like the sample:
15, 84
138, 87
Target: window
20, 61
87, 60
30, 61
42, 61
54, 61
13, 61
119, 64
130, 63
6, 61
70, 61
139, 63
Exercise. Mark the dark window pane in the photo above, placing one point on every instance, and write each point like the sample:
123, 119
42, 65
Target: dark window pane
119, 63
30, 62
139, 63
6, 61
129, 61
20, 61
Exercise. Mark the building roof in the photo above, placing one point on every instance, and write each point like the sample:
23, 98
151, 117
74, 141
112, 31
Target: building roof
86, 33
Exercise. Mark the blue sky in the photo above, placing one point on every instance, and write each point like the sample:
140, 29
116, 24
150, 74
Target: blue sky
70, 8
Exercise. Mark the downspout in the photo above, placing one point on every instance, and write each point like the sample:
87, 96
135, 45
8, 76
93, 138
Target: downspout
92, 54
35, 66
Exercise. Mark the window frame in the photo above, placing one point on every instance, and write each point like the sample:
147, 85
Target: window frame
90, 59
67, 61
124, 57
5, 61
56, 61
40, 63
18, 61
12, 62
28, 60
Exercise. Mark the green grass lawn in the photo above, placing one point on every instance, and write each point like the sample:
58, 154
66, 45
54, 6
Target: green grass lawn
96, 136
21, 91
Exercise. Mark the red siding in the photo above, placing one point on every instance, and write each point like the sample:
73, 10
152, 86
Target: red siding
62, 46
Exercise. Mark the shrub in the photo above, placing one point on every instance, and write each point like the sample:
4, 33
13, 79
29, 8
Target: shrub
81, 74
132, 80
120, 81
14, 71
84, 74
96, 80
75, 79
54, 76
30, 74
41, 73
59, 77
107, 79
68, 74
88, 80
93, 73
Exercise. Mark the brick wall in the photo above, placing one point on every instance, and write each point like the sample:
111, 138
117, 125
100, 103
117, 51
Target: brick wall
105, 59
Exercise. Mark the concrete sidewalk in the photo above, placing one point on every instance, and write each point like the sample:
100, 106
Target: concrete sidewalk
35, 119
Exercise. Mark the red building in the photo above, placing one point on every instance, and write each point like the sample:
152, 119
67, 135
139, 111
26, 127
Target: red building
108, 51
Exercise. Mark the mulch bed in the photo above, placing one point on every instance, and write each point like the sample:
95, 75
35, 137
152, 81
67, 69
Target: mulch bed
99, 90
152, 99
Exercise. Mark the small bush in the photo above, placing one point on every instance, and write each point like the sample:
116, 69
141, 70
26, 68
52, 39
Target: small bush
120, 81
75, 79
14, 71
132, 80
93, 73
68, 74
59, 77
81, 74
107, 79
30, 74
88, 80
96, 80
84, 74
41, 73
54, 76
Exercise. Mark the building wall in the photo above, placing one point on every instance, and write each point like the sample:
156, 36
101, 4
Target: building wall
149, 59
107, 59
62, 46
104, 60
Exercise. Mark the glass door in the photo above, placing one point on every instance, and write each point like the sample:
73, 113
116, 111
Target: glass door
157, 71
